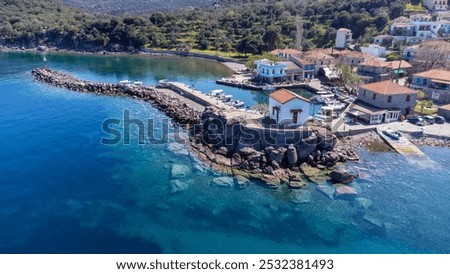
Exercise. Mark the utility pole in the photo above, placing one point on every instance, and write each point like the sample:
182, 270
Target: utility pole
299, 34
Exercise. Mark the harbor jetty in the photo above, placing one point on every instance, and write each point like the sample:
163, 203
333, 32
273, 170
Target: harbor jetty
177, 109
231, 141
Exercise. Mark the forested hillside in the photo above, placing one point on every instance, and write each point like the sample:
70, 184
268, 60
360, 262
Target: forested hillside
136, 6
248, 27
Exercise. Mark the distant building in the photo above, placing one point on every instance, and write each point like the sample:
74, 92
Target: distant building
307, 66
381, 39
343, 38
401, 68
435, 83
320, 60
293, 71
434, 5
383, 102
375, 50
374, 70
285, 53
353, 58
270, 71
288, 108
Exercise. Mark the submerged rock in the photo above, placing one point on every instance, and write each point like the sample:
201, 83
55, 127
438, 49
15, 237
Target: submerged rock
363, 203
177, 186
225, 182
179, 171
301, 196
342, 176
326, 190
241, 181
178, 149
344, 192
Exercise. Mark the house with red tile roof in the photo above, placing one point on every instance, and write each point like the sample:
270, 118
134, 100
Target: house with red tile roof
374, 70
435, 83
383, 102
288, 108
285, 53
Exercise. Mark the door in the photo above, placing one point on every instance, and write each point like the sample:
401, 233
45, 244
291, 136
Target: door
295, 117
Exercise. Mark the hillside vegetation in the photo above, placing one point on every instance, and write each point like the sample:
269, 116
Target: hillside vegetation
136, 6
250, 27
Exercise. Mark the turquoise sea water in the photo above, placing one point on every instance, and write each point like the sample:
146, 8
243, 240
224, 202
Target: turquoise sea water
64, 192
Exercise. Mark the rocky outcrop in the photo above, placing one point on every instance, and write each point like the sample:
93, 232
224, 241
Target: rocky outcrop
342, 176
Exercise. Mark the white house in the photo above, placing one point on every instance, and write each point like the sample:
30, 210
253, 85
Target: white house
270, 71
374, 50
343, 38
435, 5
288, 108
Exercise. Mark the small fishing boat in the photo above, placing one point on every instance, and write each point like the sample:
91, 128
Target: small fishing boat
268, 88
226, 98
216, 92
333, 107
125, 82
392, 133
238, 104
138, 83
163, 83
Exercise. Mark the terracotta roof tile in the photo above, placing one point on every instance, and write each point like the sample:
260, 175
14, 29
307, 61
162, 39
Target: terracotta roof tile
403, 64
286, 51
436, 74
388, 87
283, 96
446, 107
375, 63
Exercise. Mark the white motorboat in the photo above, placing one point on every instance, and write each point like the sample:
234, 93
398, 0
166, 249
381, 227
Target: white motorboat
138, 83
333, 107
238, 104
226, 98
163, 83
392, 133
125, 82
216, 92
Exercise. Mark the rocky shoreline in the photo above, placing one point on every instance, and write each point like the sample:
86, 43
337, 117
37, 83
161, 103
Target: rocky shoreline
429, 141
312, 158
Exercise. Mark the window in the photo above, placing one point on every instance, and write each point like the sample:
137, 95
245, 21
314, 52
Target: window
389, 99
418, 80
273, 71
374, 96
408, 98
364, 93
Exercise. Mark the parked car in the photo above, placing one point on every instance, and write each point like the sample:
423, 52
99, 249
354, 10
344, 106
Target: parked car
439, 120
415, 119
429, 119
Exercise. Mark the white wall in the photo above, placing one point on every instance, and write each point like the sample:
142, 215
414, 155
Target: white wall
285, 116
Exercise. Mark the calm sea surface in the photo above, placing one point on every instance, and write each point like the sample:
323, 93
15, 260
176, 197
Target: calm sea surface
61, 191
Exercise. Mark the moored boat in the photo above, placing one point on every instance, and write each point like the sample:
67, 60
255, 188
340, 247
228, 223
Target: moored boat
392, 133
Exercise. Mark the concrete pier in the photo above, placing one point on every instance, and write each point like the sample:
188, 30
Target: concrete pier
402, 146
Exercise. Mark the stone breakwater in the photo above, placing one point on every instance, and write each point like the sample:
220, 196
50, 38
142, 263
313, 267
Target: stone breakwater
179, 111
231, 145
